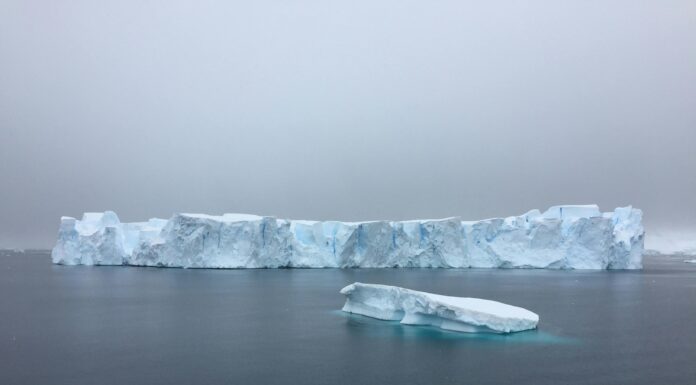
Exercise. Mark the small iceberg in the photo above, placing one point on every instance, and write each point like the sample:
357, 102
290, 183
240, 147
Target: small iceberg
411, 307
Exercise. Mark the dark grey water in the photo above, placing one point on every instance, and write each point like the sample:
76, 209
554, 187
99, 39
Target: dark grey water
123, 325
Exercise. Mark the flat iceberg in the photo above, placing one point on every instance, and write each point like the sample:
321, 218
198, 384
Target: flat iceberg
412, 307
563, 237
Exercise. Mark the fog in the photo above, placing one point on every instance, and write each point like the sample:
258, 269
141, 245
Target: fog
344, 110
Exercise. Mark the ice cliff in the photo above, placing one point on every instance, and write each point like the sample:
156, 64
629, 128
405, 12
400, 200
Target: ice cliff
412, 307
563, 237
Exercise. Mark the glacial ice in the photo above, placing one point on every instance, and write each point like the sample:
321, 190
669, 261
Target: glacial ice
563, 237
671, 242
412, 307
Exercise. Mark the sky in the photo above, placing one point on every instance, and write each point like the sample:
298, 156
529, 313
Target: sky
344, 110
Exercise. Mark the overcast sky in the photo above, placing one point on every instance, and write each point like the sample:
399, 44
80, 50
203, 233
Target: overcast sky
348, 110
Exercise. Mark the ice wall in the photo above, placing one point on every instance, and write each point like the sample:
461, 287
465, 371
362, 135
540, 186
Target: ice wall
563, 237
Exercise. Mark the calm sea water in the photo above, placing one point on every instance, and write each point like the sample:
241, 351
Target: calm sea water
125, 325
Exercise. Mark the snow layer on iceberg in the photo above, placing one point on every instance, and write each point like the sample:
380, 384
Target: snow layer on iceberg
563, 237
412, 307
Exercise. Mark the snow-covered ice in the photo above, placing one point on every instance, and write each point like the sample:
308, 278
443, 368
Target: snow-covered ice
563, 237
412, 307
671, 242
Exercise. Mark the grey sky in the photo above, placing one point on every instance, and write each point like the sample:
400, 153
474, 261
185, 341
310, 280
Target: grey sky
343, 110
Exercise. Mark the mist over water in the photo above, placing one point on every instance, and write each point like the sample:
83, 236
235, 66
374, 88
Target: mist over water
352, 111
356, 111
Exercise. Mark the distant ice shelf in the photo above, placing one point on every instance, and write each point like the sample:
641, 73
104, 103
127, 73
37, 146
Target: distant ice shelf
412, 307
674, 242
562, 237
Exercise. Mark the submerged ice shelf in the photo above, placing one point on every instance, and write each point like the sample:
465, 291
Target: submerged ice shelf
563, 237
412, 307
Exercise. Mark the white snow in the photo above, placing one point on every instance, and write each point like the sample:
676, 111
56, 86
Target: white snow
563, 237
412, 307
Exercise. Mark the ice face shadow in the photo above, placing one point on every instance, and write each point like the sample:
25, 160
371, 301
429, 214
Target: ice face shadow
375, 328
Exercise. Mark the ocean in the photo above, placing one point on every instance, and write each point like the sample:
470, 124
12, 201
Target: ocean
132, 325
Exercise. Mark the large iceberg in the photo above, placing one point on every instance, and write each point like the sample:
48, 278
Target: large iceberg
412, 307
563, 237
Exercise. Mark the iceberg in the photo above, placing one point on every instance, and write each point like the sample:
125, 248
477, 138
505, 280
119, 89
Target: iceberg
671, 242
563, 237
412, 307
